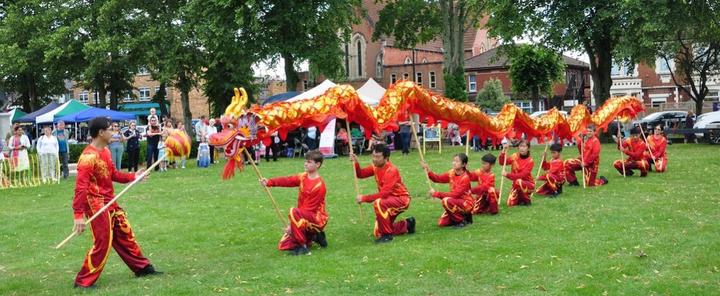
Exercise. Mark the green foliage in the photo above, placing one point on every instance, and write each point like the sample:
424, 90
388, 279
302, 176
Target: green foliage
491, 97
633, 236
456, 86
534, 70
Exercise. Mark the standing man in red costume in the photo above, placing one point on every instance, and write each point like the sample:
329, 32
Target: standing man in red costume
657, 144
457, 203
554, 176
521, 165
392, 198
589, 160
486, 196
635, 149
309, 218
93, 189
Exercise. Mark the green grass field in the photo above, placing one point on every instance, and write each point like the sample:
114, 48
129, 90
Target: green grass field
220, 237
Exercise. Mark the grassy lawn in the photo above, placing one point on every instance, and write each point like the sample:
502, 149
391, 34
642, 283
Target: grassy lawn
220, 237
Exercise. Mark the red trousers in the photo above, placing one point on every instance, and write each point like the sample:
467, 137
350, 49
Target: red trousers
386, 210
110, 229
520, 193
552, 184
573, 165
455, 211
486, 203
660, 164
303, 226
630, 165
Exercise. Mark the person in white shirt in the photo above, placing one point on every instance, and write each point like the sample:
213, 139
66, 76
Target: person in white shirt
19, 145
48, 152
200, 129
210, 130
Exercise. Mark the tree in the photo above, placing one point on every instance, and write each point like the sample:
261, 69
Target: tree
102, 39
229, 34
686, 33
414, 22
24, 28
173, 51
597, 27
312, 31
534, 70
491, 96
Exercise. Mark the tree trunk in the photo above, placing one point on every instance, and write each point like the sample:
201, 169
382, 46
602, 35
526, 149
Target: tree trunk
600, 53
114, 95
185, 85
291, 76
453, 15
160, 99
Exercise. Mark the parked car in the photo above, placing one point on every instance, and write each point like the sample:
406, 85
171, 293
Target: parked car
707, 120
666, 118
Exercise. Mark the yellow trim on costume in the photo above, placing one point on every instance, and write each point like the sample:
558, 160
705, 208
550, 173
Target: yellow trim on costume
92, 268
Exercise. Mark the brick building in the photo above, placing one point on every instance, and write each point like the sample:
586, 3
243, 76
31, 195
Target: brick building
654, 84
386, 63
491, 65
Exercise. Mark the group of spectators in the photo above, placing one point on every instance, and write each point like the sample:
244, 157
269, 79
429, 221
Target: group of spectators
52, 151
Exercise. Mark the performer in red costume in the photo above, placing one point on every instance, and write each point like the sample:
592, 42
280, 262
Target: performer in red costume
520, 174
635, 149
485, 194
589, 159
392, 198
93, 189
457, 203
554, 176
657, 144
309, 218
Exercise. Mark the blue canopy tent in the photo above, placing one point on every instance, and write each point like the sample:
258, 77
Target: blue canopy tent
88, 114
30, 118
280, 97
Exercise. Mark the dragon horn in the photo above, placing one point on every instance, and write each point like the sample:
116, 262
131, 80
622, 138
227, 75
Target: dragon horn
241, 94
235, 101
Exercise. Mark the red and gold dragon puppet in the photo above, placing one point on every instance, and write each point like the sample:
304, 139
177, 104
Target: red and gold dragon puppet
243, 128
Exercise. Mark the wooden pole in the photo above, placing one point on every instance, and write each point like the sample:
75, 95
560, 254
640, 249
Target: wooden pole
467, 143
352, 166
267, 190
112, 201
622, 153
502, 178
422, 157
542, 160
647, 143
582, 161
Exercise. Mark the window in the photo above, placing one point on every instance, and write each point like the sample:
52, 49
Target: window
424, 61
418, 78
144, 94
393, 78
143, 71
157, 90
355, 57
128, 97
306, 85
526, 106
96, 96
359, 54
84, 96
432, 80
406, 76
662, 67
408, 61
622, 71
472, 83
379, 67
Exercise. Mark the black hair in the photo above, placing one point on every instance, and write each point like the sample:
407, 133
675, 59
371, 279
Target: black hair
526, 142
635, 131
463, 158
315, 156
381, 148
98, 123
489, 158
556, 147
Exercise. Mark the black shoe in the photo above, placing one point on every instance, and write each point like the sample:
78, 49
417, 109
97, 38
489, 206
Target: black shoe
320, 239
384, 239
302, 250
468, 218
147, 270
629, 173
559, 190
555, 194
574, 183
459, 225
91, 287
605, 180
410, 225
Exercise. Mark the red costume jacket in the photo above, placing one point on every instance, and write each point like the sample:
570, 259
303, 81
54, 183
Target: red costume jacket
521, 168
485, 181
459, 185
658, 144
590, 151
388, 181
311, 195
554, 167
94, 183
634, 148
